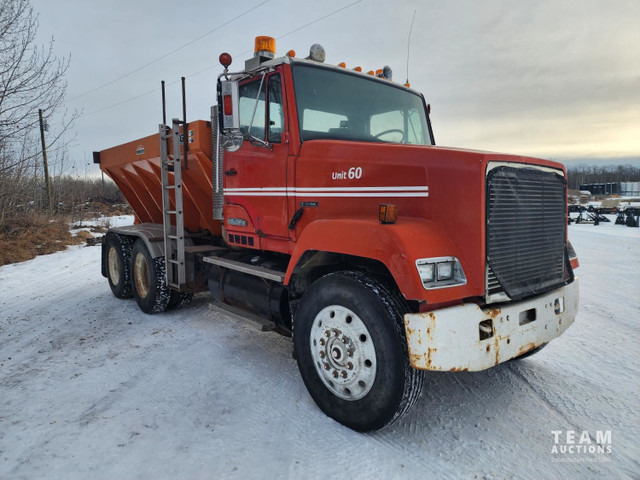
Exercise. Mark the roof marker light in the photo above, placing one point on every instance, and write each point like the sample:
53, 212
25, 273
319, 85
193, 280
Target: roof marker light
291, 53
358, 69
342, 65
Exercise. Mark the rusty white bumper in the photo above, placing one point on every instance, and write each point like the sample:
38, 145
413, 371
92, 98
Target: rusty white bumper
467, 337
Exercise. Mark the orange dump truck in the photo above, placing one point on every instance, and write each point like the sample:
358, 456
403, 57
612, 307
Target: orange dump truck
316, 200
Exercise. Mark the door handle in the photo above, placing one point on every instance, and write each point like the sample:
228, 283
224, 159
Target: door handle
231, 172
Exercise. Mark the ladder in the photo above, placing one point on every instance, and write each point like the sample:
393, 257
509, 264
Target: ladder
173, 214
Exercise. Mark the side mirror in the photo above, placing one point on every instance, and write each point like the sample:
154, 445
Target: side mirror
229, 115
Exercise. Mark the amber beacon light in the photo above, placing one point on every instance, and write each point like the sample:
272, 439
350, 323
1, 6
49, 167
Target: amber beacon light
265, 46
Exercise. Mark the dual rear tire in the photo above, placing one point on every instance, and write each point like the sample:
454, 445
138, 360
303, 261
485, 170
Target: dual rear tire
133, 272
117, 259
148, 279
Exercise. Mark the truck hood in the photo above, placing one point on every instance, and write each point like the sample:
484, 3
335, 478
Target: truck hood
444, 187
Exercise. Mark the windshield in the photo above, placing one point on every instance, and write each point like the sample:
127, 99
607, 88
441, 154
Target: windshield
345, 106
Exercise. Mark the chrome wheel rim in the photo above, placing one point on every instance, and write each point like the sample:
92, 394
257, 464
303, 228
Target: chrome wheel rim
114, 266
343, 352
141, 275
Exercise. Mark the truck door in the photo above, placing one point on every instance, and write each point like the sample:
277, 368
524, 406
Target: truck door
256, 174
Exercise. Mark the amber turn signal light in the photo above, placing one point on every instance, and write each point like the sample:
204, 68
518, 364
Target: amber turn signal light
388, 213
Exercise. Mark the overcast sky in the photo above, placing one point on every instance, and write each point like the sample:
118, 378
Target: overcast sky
556, 79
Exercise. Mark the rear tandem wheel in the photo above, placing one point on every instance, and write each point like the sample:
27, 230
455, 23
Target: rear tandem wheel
118, 259
148, 278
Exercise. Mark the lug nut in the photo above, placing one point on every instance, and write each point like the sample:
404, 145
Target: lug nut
350, 366
335, 374
322, 354
345, 339
322, 342
326, 366
344, 374
327, 333
350, 353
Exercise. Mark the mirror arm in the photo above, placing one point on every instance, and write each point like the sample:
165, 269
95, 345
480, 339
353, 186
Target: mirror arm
256, 140
255, 107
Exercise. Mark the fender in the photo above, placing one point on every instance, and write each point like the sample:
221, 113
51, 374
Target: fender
397, 246
151, 233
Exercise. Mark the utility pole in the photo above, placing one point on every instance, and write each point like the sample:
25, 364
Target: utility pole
44, 160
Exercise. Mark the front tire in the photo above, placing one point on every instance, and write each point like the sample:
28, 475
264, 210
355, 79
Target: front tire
149, 285
351, 351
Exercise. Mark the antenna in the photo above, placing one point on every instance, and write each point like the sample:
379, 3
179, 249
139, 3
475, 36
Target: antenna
409, 44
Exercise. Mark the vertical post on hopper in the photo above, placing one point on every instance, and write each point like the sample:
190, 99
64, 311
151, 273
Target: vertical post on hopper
185, 127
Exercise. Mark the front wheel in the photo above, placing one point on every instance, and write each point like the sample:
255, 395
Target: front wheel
351, 351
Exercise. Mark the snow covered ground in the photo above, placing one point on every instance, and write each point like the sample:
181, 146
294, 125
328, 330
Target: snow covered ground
90, 387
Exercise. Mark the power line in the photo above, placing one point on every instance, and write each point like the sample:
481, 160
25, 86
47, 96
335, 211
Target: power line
284, 35
214, 66
166, 54
119, 103
319, 19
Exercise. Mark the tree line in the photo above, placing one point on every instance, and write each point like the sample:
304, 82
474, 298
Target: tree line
582, 174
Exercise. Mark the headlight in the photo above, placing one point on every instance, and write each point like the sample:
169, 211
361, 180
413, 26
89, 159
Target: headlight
445, 270
440, 272
427, 272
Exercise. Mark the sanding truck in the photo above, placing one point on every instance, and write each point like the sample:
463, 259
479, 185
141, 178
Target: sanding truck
316, 201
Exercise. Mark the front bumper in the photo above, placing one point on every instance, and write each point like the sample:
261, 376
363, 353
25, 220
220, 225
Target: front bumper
467, 337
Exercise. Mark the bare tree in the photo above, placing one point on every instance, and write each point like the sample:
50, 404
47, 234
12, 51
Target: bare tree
31, 78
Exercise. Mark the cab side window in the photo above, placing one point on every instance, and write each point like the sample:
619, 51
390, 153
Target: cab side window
248, 95
276, 116
247, 101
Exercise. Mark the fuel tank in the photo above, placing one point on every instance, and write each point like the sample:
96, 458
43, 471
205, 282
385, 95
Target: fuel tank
254, 294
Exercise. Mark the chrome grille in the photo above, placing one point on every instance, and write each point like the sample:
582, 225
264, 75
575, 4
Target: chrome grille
526, 210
